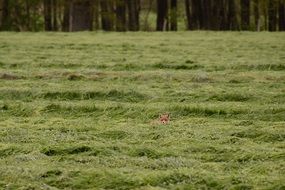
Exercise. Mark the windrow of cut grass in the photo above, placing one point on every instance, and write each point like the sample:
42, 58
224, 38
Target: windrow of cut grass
142, 112
80, 110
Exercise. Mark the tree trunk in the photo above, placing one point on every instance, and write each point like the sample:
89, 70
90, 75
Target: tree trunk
54, 6
34, 15
6, 19
48, 15
121, 19
1, 4
188, 15
133, 11
28, 12
256, 15
272, 15
245, 14
200, 14
82, 17
193, 20
67, 16
207, 13
146, 25
96, 14
107, 15
161, 22
173, 15
281, 15
264, 9
217, 15
223, 15
232, 16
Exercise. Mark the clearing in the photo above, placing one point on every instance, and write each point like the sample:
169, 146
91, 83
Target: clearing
76, 110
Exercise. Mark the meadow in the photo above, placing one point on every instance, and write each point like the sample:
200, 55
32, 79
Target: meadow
76, 110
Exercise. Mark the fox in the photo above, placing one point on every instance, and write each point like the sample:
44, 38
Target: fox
162, 120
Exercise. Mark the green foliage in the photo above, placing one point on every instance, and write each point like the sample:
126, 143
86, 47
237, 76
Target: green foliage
80, 110
23, 16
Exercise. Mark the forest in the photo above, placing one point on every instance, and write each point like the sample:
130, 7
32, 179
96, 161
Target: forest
142, 15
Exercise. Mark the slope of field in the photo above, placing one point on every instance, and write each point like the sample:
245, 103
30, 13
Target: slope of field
77, 110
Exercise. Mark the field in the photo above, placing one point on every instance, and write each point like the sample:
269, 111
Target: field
77, 110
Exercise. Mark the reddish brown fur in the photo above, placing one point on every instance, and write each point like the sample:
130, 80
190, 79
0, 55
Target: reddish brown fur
164, 118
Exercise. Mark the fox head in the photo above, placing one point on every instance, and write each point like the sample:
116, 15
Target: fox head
164, 118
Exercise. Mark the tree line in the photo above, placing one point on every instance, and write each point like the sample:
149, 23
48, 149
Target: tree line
134, 15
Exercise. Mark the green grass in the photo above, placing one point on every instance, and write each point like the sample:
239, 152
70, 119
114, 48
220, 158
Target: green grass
76, 110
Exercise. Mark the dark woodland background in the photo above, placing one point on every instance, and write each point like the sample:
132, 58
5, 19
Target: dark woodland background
142, 15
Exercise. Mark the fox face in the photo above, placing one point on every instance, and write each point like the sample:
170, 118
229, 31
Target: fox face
164, 118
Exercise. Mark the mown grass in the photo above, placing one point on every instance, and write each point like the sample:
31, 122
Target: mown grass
77, 110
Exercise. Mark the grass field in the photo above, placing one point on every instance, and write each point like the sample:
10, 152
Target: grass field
76, 110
